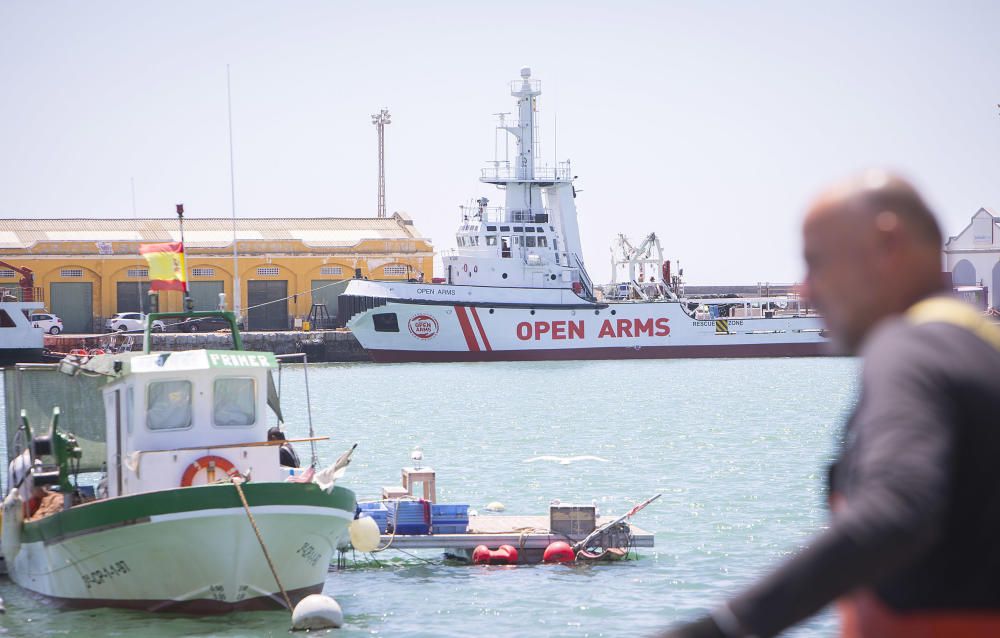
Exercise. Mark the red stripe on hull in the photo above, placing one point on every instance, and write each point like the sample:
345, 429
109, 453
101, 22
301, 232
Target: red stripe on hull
195, 606
647, 352
482, 333
463, 320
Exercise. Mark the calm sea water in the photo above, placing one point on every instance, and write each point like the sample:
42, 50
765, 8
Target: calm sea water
737, 447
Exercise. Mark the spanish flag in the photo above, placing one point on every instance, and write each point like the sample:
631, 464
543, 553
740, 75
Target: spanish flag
166, 265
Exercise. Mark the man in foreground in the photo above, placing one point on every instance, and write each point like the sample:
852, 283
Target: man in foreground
913, 547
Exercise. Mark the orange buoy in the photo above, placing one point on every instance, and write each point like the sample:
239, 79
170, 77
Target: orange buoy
504, 555
559, 552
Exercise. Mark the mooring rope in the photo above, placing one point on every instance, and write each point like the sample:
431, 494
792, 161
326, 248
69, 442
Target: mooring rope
260, 539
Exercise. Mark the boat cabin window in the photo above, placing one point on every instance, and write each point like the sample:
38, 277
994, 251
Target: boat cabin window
529, 241
5, 320
543, 241
505, 229
491, 228
518, 229
386, 322
505, 247
168, 405
234, 401
491, 240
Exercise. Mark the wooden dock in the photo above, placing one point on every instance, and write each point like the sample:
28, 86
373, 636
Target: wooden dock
529, 534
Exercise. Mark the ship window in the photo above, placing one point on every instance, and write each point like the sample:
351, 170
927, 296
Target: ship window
543, 241
234, 402
492, 228
529, 229
518, 229
517, 240
529, 241
5, 320
540, 229
505, 247
491, 240
475, 240
505, 229
386, 322
168, 405
460, 240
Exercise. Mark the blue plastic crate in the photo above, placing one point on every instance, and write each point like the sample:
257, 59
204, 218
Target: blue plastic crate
376, 511
449, 512
408, 517
450, 528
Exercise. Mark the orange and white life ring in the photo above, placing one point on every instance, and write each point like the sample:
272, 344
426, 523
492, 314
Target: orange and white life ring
210, 463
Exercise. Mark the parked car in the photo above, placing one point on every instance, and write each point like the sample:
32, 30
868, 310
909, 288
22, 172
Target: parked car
200, 324
131, 322
47, 322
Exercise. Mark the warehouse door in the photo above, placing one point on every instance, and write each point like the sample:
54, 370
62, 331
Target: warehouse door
74, 304
325, 291
205, 294
273, 315
133, 296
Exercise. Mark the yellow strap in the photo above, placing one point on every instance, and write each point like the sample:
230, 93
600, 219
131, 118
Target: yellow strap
957, 313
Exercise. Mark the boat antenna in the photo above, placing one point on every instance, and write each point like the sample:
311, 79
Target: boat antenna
237, 300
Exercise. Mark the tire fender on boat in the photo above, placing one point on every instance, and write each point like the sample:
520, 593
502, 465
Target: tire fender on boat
13, 520
211, 463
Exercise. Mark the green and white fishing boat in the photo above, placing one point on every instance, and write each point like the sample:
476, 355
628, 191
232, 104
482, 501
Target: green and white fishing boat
187, 482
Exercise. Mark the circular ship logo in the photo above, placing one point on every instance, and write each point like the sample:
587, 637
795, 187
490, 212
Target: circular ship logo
423, 326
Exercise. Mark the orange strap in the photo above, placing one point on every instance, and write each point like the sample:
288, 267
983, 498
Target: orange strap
863, 615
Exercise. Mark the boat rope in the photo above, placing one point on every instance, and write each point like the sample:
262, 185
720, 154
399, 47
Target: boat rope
246, 507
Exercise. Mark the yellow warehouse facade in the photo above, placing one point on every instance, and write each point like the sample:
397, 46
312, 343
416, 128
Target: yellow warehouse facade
86, 270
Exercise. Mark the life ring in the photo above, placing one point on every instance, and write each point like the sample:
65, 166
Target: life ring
211, 463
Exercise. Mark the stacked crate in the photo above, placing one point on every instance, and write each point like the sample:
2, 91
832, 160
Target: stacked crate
449, 519
409, 517
377, 511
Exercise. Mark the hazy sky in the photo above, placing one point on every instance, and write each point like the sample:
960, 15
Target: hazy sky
710, 123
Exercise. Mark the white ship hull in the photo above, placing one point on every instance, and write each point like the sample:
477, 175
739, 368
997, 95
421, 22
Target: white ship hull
432, 330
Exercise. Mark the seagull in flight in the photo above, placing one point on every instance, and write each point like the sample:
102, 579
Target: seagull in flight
566, 460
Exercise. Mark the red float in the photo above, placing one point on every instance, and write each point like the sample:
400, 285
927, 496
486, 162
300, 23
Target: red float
559, 552
504, 555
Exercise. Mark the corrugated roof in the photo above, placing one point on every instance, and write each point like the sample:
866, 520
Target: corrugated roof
207, 232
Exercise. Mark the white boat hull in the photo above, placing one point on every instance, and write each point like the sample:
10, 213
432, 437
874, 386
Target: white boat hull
194, 561
508, 332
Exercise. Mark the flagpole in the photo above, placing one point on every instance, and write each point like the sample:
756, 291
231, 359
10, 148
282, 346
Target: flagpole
187, 298
237, 299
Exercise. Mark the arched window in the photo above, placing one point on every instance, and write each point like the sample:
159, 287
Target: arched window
964, 273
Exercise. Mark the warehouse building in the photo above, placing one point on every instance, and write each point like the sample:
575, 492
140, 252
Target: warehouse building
973, 255
90, 269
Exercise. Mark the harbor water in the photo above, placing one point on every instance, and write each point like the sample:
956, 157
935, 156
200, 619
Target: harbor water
738, 448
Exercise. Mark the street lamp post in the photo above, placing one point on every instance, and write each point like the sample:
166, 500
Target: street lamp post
380, 119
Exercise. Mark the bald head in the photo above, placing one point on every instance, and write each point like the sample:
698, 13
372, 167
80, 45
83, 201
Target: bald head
872, 247
864, 197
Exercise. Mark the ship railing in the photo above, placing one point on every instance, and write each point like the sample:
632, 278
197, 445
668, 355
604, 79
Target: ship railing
560, 173
11, 293
517, 86
588, 285
500, 215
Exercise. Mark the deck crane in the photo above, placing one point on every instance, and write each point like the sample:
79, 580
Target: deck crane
27, 281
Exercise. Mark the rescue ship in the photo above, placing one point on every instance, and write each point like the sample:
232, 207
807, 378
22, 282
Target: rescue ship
516, 288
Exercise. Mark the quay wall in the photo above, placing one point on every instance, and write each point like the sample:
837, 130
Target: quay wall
320, 346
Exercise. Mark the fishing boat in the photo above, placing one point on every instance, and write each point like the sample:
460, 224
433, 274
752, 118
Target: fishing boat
516, 288
190, 500
20, 340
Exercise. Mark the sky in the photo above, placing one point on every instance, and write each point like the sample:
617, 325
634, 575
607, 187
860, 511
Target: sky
712, 124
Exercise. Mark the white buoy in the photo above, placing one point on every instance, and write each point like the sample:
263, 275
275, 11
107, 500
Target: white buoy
364, 533
317, 611
495, 506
